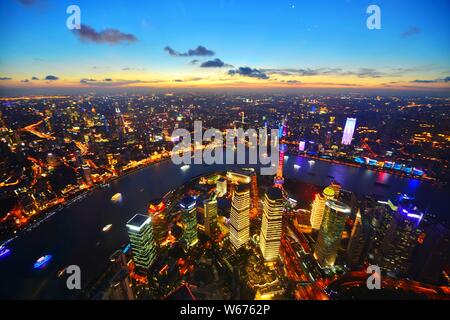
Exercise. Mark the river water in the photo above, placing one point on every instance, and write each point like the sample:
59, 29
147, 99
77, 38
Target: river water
74, 235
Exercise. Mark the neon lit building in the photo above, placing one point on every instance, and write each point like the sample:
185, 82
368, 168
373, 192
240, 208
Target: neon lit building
140, 232
157, 211
270, 237
330, 233
400, 238
279, 179
318, 207
240, 216
189, 219
301, 146
349, 130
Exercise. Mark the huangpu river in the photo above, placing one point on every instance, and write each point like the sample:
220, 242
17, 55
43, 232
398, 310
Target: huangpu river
74, 235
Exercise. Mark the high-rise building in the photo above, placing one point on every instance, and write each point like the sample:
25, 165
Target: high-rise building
330, 233
120, 285
359, 243
318, 207
272, 219
140, 232
240, 216
87, 176
255, 195
189, 219
349, 130
400, 240
157, 211
221, 187
336, 188
210, 208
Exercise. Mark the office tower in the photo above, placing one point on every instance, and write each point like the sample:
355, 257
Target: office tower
318, 207
270, 237
336, 188
400, 240
120, 285
240, 216
87, 176
221, 186
360, 240
210, 208
52, 161
189, 219
330, 233
157, 211
432, 255
349, 130
140, 232
255, 195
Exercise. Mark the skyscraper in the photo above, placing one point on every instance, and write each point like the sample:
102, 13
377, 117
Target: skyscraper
140, 232
240, 216
360, 240
318, 207
87, 176
157, 211
400, 239
349, 130
210, 207
271, 224
329, 240
221, 187
189, 219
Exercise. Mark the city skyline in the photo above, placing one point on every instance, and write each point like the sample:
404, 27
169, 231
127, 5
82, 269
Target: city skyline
224, 45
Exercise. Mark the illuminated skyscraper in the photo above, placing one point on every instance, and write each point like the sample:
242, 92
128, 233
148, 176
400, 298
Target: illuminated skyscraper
87, 176
329, 240
318, 207
360, 240
210, 207
189, 219
240, 216
221, 187
255, 195
349, 130
400, 240
270, 237
140, 232
157, 211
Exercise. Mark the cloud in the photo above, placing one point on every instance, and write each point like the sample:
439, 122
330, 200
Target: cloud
443, 80
34, 78
360, 73
5, 78
411, 32
111, 36
108, 82
249, 72
133, 69
51, 78
25, 80
87, 81
200, 51
216, 63
194, 62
